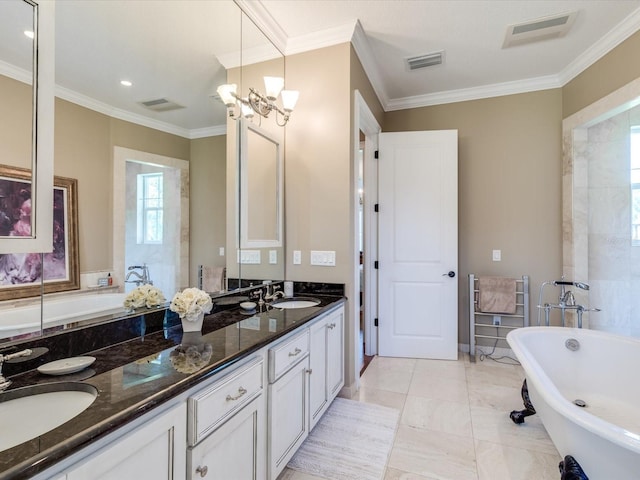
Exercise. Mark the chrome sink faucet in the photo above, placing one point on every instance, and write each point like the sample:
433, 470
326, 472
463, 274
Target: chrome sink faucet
273, 295
4, 383
142, 278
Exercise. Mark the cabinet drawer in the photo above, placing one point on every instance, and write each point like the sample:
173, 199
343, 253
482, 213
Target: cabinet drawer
214, 404
286, 354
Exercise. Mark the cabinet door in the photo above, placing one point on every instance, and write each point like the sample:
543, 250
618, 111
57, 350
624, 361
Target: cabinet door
288, 417
236, 450
318, 371
154, 451
335, 353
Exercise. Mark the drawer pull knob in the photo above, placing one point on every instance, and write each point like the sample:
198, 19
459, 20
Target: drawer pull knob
297, 351
332, 326
202, 471
241, 392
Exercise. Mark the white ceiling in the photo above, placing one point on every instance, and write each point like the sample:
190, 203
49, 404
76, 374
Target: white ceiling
471, 33
176, 49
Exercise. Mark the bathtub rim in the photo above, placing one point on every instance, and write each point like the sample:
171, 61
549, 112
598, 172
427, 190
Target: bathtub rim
53, 321
547, 389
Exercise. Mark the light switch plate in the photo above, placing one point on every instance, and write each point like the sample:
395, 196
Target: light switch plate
323, 258
297, 257
497, 255
249, 257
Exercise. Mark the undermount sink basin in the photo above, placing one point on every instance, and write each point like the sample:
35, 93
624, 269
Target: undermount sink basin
29, 412
296, 302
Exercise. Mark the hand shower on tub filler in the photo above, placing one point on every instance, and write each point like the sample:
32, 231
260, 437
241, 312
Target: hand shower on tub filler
566, 301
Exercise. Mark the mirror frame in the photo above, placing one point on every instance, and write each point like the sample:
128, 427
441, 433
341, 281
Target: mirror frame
41, 239
246, 129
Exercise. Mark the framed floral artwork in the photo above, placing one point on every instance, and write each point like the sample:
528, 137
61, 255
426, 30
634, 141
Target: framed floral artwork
30, 274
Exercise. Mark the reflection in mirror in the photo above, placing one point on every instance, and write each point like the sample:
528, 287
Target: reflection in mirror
174, 54
260, 188
17, 33
259, 260
20, 273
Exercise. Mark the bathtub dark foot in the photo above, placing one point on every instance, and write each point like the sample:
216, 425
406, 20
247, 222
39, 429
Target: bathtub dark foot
518, 416
570, 469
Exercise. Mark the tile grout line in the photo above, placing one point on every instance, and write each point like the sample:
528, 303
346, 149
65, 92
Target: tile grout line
473, 433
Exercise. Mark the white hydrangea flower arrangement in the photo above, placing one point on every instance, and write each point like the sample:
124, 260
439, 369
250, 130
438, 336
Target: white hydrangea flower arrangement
144, 296
191, 303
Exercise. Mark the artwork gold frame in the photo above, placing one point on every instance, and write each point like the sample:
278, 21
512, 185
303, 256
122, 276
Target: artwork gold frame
30, 274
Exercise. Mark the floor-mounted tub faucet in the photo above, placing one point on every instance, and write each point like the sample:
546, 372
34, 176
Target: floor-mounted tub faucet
141, 278
566, 301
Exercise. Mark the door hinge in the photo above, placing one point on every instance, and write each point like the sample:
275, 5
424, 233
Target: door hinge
375, 265
375, 322
375, 154
376, 208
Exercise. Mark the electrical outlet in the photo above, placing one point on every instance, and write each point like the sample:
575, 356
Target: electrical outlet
497, 321
297, 257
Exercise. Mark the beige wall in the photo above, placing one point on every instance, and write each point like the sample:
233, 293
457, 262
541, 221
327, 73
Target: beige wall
84, 141
207, 220
317, 158
15, 129
617, 68
360, 82
509, 184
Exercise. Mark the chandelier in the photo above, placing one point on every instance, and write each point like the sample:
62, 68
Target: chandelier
257, 103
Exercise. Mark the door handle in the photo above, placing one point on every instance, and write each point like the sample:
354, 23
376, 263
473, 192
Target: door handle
450, 274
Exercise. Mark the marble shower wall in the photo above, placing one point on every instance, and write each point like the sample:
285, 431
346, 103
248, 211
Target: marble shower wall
613, 263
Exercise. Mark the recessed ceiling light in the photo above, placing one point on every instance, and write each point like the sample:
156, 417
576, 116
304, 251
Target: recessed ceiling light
126, 83
29, 34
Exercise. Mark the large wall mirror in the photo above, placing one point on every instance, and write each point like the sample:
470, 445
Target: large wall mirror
140, 130
25, 72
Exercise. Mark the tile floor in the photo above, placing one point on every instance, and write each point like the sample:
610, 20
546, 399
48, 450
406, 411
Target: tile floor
455, 422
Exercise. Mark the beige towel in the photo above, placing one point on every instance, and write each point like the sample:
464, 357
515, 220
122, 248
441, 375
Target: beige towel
497, 294
212, 279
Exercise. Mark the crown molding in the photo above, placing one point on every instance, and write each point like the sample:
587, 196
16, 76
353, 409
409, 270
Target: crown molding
110, 111
325, 38
19, 74
207, 132
612, 39
362, 47
476, 93
259, 15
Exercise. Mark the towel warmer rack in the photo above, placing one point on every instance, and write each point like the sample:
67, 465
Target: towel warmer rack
481, 324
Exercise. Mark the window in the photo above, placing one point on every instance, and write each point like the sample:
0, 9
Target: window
150, 208
635, 186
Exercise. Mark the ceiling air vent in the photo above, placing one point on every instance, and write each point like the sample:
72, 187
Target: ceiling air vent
540, 29
428, 60
161, 105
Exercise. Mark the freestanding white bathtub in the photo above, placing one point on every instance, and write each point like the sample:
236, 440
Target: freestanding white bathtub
603, 436
18, 320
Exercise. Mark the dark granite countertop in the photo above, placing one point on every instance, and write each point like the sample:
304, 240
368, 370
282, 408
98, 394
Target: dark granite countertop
136, 375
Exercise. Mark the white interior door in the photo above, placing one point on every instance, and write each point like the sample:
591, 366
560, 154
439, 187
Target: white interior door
418, 244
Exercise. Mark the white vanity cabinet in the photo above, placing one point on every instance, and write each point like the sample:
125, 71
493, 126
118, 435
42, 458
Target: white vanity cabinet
288, 400
227, 426
153, 451
326, 353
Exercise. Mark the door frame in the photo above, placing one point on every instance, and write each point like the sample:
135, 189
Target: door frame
120, 157
364, 121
